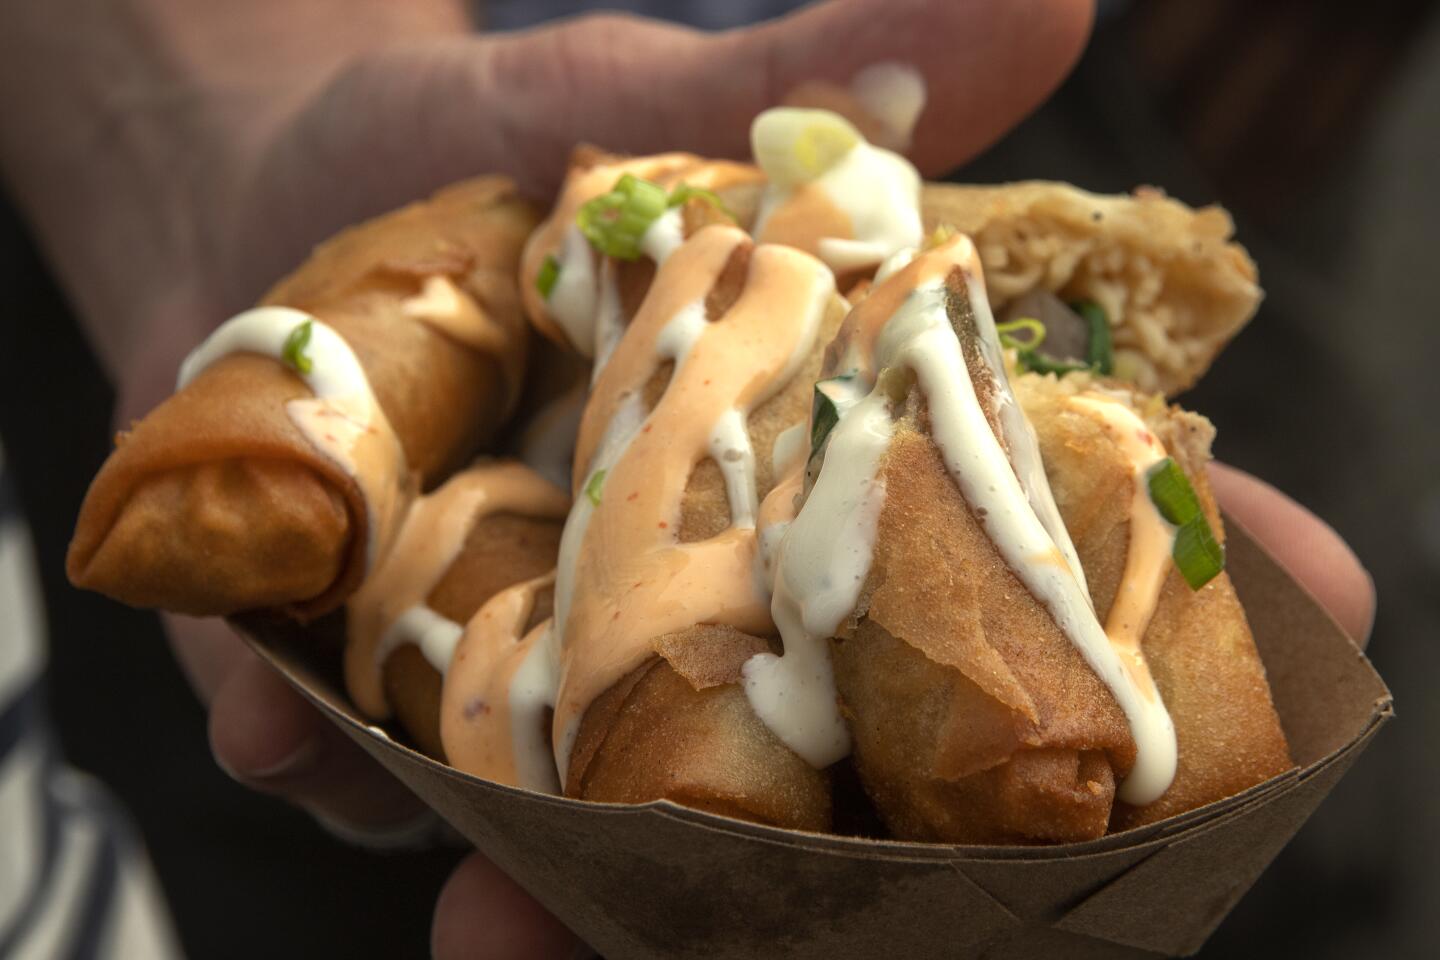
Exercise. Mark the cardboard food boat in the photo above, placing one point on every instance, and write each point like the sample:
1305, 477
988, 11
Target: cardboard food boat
664, 881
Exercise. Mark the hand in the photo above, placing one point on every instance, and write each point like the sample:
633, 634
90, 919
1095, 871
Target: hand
350, 109
402, 121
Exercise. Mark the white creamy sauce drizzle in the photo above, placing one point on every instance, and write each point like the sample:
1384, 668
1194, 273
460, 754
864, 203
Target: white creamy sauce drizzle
894, 94
547, 445
342, 415
621, 430
436, 636
820, 568
1020, 440
674, 343
986, 478
893, 264
608, 319
572, 300
1151, 538
877, 190
826, 552
789, 447
531, 693
731, 450
664, 236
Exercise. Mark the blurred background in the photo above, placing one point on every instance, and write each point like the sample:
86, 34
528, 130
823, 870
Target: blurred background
1315, 124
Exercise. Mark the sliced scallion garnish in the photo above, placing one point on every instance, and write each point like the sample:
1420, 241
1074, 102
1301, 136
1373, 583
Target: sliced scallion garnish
616, 222
1171, 492
294, 349
1101, 352
594, 485
549, 274
1036, 362
1007, 333
685, 193
1197, 553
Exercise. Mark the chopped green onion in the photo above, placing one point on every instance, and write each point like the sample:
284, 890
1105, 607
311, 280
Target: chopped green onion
1007, 333
824, 412
293, 351
685, 192
1197, 553
1036, 362
616, 222
795, 145
592, 487
1101, 352
1171, 492
549, 273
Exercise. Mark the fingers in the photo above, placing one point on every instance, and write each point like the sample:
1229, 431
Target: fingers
1304, 545
642, 86
396, 125
271, 739
483, 915
208, 650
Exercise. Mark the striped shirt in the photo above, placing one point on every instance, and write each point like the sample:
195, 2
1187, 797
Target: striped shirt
74, 879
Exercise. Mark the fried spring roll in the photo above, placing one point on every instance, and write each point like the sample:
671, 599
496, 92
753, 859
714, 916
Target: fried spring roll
1197, 642
984, 700
581, 298
278, 472
1170, 281
488, 527
659, 602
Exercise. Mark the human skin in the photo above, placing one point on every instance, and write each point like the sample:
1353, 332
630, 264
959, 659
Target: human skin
174, 158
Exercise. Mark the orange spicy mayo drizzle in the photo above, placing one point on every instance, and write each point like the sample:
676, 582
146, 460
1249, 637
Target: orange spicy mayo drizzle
389, 608
569, 312
493, 706
457, 314
1147, 560
629, 579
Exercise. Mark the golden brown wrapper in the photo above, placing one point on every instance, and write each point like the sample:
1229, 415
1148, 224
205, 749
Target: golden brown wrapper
738, 187
501, 549
679, 726
216, 503
1198, 644
974, 718
1174, 285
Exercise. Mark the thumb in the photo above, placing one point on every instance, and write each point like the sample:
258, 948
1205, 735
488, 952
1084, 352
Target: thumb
401, 123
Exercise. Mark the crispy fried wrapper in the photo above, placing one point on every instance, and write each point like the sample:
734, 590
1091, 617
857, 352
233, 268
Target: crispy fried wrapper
1174, 285
679, 726
215, 502
500, 550
1198, 643
974, 718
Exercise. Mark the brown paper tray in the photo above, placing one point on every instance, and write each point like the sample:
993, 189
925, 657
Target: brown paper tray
663, 881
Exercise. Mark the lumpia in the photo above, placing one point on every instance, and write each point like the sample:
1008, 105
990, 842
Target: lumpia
278, 472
